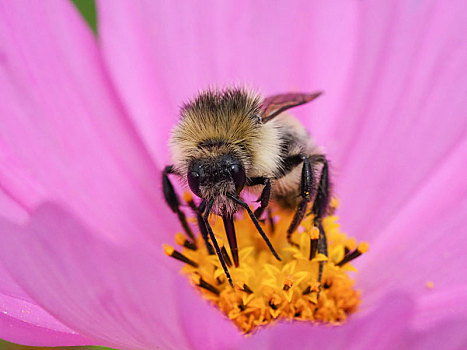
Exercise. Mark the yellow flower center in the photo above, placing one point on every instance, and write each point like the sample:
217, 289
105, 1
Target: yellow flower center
265, 289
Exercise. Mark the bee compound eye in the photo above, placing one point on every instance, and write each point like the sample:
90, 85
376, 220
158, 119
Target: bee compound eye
238, 176
193, 182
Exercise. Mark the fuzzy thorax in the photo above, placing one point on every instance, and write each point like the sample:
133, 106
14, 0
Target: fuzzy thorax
217, 123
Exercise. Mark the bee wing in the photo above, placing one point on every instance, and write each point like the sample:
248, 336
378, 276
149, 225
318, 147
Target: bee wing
272, 106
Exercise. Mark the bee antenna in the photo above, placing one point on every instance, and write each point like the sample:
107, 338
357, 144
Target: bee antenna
255, 221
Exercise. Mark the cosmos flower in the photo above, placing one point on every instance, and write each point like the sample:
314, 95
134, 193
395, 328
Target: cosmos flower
83, 132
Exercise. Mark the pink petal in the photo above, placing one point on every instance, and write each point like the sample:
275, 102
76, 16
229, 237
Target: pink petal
12, 209
377, 330
441, 304
426, 242
405, 109
388, 326
204, 325
64, 134
449, 335
21, 320
117, 296
9, 287
28, 324
24, 322
161, 53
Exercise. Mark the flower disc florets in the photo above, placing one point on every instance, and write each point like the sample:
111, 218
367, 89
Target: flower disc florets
265, 289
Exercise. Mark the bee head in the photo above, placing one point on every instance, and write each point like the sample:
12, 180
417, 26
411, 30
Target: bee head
212, 177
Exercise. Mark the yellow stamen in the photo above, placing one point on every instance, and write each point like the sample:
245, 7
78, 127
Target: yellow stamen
363, 247
168, 250
180, 238
187, 197
265, 289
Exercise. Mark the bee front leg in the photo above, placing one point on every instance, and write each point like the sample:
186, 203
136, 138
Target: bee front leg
171, 198
202, 227
265, 194
205, 216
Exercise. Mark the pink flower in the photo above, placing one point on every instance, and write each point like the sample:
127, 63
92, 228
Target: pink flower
83, 133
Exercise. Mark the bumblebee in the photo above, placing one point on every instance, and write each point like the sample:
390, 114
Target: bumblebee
232, 140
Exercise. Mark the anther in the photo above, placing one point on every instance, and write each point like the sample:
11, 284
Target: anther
287, 284
188, 198
311, 288
182, 241
225, 255
351, 244
361, 248
198, 280
247, 289
274, 302
170, 251
243, 287
314, 238
313, 248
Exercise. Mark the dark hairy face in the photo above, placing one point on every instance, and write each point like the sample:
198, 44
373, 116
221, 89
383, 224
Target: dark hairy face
219, 175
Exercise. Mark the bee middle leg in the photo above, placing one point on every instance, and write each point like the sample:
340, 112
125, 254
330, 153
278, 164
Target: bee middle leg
319, 210
320, 204
306, 189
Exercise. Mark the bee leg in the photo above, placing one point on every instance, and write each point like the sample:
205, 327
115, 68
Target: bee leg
321, 203
306, 193
256, 223
173, 202
319, 210
322, 249
202, 227
230, 232
214, 241
265, 194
